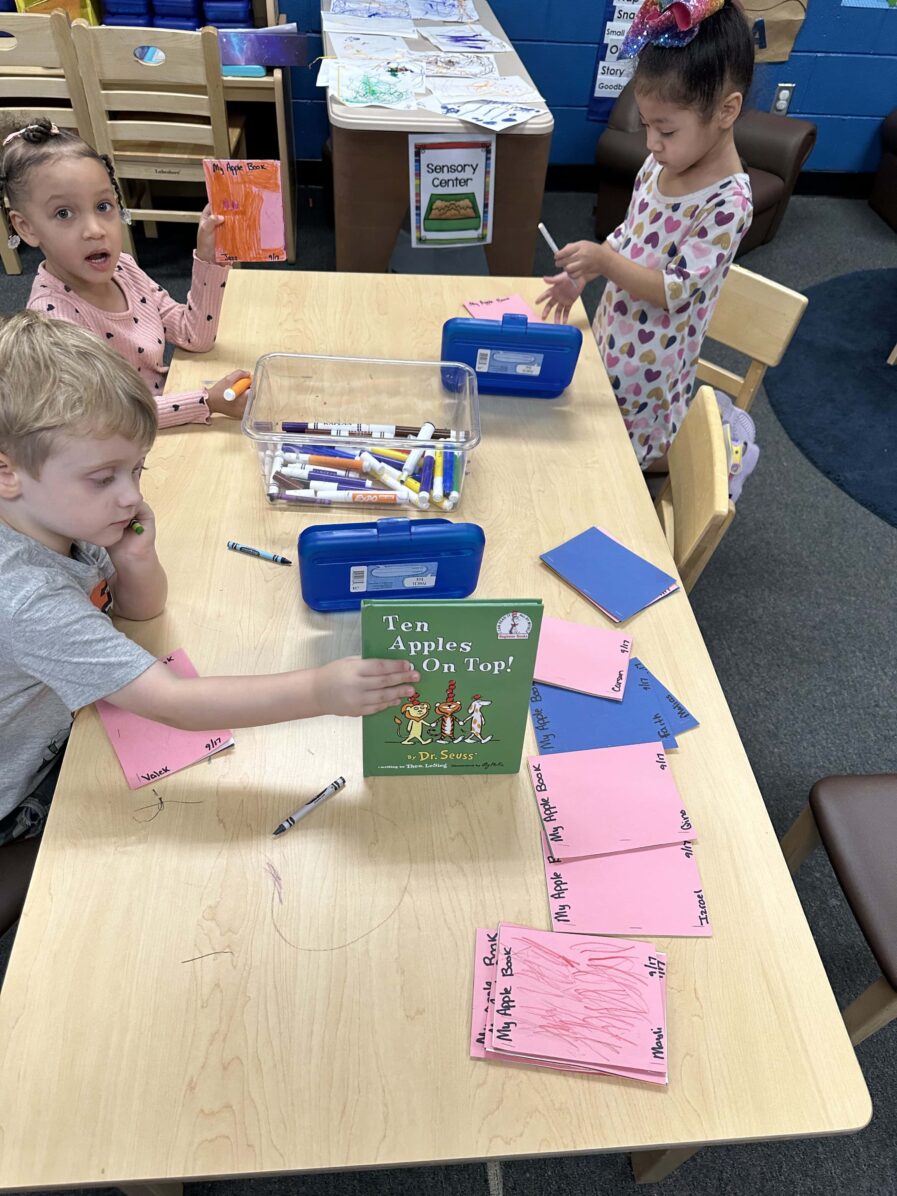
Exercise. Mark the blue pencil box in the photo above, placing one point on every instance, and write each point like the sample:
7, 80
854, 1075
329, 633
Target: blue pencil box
140, 19
185, 23
340, 564
511, 356
225, 11
184, 9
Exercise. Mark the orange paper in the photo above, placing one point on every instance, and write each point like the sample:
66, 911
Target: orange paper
247, 194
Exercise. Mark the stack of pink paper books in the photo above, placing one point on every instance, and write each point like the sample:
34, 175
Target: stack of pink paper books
618, 843
570, 1002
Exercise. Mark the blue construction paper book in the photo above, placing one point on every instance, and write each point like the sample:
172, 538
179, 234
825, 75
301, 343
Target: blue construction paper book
566, 721
675, 715
617, 580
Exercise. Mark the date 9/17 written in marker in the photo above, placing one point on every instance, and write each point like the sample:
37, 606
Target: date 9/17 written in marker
259, 552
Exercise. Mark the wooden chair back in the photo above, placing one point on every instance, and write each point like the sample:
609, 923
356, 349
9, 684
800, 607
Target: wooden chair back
39, 78
694, 507
755, 317
157, 100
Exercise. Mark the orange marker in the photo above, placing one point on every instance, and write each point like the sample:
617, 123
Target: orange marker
234, 392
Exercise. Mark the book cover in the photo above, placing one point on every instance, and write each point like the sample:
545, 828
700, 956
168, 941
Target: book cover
248, 195
476, 659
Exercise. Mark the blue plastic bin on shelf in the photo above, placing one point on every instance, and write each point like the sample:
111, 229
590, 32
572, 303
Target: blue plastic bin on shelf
228, 12
135, 19
187, 23
184, 9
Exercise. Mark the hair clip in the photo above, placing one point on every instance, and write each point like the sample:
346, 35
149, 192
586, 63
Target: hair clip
125, 215
666, 23
54, 132
13, 240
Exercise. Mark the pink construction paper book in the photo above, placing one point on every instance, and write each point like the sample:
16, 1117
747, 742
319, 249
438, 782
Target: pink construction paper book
149, 751
494, 309
482, 1018
655, 891
605, 800
587, 1002
590, 660
248, 195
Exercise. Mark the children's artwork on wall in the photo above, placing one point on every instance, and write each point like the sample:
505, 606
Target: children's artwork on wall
247, 194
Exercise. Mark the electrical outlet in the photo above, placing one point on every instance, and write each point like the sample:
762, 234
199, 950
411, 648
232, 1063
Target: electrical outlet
782, 101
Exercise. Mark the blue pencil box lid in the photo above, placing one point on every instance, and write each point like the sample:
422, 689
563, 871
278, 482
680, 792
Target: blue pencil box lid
342, 563
512, 356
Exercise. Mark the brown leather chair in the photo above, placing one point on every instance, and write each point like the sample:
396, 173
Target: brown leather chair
884, 190
855, 819
774, 149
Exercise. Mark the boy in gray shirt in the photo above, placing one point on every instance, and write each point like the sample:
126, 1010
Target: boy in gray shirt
77, 541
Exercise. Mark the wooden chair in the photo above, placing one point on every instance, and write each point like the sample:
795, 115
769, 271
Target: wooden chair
39, 78
755, 317
156, 114
855, 819
694, 508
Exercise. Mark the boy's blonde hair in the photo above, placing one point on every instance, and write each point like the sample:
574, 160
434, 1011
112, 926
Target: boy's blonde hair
57, 378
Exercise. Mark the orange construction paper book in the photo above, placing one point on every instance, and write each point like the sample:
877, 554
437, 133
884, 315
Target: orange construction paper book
247, 194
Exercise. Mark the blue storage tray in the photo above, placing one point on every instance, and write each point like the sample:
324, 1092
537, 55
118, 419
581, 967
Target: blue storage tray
176, 22
340, 564
134, 19
228, 10
511, 356
184, 9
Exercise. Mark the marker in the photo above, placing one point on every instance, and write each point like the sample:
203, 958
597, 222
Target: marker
438, 476
549, 239
321, 473
426, 478
259, 552
136, 528
317, 800
234, 392
320, 450
388, 476
385, 431
328, 498
426, 431
453, 491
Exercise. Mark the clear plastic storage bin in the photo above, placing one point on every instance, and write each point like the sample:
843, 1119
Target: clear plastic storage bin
339, 430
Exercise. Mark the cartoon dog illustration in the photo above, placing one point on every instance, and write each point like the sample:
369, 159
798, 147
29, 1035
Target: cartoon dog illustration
447, 710
415, 711
477, 720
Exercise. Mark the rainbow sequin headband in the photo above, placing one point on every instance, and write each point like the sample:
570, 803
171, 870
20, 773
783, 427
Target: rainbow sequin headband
18, 133
666, 23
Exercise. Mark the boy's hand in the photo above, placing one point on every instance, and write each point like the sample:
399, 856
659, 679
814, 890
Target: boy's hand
219, 405
135, 546
562, 293
582, 260
354, 686
205, 238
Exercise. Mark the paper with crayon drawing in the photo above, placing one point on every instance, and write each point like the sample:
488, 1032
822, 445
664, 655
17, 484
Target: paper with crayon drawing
247, 194
149, 751
608, 800
591, 660
570, 1002
654, 891
618, 581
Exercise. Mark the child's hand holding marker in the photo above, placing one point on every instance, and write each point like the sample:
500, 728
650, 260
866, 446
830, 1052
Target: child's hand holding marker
238, 383
564, 289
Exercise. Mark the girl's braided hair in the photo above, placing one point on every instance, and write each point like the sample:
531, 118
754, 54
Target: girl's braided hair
30, 146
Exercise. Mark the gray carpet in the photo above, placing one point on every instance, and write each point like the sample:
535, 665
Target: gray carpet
798, 611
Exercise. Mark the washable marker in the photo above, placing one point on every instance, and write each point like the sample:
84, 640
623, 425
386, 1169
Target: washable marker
426, 478
313, 803
414, 457
322, 472
137, 528
259, 552
341, 484
549, 239
448, 472
327, 498
438, 479
351, 483
389, 476
319, 450
238, 388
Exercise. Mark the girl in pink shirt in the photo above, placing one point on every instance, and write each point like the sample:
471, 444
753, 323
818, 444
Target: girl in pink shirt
64, 199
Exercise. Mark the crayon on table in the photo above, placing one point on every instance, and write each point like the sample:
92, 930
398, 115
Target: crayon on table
311, 804
259, 552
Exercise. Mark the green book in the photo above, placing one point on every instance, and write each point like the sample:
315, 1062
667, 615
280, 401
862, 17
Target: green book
476, 661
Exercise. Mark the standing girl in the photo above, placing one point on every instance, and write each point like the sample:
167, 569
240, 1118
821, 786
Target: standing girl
63, 198
690, 207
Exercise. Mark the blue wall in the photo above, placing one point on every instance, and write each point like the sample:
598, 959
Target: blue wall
844, 65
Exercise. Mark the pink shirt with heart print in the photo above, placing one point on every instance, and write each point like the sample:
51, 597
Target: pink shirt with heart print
650, 354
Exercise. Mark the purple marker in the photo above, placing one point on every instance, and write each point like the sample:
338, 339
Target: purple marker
426, 478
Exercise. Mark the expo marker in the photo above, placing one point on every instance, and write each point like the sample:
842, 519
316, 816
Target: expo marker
328, 498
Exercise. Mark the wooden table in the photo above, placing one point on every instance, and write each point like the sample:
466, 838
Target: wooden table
189, 997
370, 173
